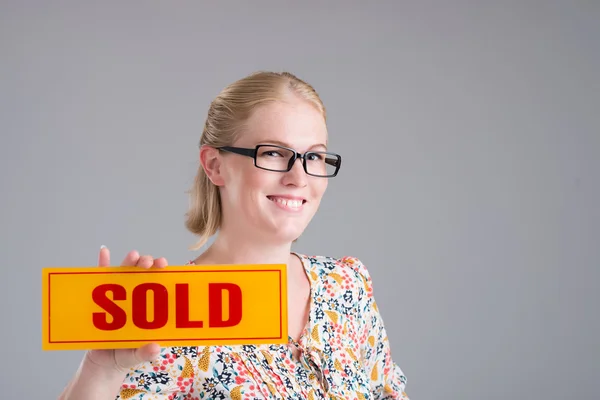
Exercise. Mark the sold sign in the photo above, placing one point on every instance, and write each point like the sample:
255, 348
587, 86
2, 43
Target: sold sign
125, 307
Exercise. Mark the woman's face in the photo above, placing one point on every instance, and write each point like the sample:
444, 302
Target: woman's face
272, 205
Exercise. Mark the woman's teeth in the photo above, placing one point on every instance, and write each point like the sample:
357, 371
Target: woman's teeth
289, 203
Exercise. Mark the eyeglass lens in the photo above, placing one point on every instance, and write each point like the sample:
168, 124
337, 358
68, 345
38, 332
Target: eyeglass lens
277, 159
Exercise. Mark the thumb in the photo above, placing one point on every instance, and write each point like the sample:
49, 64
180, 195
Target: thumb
148, 352
104, 257
127, 358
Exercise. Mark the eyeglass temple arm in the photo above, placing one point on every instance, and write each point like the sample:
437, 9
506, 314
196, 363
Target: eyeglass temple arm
239, 150
335, 161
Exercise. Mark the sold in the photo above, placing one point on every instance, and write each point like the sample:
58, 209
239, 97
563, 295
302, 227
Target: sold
139, 315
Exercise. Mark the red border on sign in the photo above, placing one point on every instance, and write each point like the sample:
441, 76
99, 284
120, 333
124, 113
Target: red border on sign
163, 340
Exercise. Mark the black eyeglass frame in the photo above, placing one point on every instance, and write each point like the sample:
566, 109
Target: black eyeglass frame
249, 152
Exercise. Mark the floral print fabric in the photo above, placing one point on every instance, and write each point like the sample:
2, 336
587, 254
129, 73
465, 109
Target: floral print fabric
344, 352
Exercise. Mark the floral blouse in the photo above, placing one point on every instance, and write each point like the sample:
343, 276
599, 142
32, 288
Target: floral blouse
344, 352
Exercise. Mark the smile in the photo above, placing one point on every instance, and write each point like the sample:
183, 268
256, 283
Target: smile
287, 203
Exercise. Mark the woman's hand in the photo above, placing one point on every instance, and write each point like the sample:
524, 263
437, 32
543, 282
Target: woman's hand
123, 359
101, 372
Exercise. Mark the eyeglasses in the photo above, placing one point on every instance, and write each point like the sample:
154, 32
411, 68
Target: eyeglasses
281, 159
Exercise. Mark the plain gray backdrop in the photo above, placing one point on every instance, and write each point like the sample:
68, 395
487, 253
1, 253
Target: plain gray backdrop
470, 133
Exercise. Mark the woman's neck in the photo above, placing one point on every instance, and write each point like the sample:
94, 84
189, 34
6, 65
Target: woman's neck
232, 249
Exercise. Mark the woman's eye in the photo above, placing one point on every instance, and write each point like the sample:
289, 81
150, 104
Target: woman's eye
314, 157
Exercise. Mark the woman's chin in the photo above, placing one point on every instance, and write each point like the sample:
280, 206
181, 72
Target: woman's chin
286, 234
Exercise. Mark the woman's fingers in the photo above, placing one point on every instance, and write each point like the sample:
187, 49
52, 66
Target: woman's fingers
161, 262
132, 259
104, 257
145, 261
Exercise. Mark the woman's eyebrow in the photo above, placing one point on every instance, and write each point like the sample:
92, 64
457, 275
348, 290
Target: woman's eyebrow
279, 142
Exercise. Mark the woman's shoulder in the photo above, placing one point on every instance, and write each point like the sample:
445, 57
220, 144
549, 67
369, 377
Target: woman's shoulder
346, 262
346, 267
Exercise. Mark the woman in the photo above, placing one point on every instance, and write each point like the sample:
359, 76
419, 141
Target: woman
264, 168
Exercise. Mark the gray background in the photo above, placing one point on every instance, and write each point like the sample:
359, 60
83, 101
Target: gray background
470, 133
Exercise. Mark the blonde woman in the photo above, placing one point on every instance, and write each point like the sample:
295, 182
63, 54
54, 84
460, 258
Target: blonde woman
264, 168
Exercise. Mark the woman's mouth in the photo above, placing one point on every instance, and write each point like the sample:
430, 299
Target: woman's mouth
287, 203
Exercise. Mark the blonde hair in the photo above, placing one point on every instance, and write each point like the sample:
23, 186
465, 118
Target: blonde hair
226, 116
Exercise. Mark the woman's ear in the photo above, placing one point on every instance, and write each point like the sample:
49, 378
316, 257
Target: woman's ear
211, 162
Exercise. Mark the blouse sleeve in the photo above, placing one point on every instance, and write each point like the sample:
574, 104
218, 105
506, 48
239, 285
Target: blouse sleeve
387, 380
169, 377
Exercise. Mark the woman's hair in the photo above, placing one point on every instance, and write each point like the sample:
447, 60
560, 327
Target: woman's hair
226, 117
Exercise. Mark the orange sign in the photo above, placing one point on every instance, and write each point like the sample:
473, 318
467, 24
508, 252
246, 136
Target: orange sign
125, 307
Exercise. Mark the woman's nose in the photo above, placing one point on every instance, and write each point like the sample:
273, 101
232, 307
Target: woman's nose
296, 176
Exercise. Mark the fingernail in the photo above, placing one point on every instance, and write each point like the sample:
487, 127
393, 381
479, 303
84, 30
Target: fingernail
102, 247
